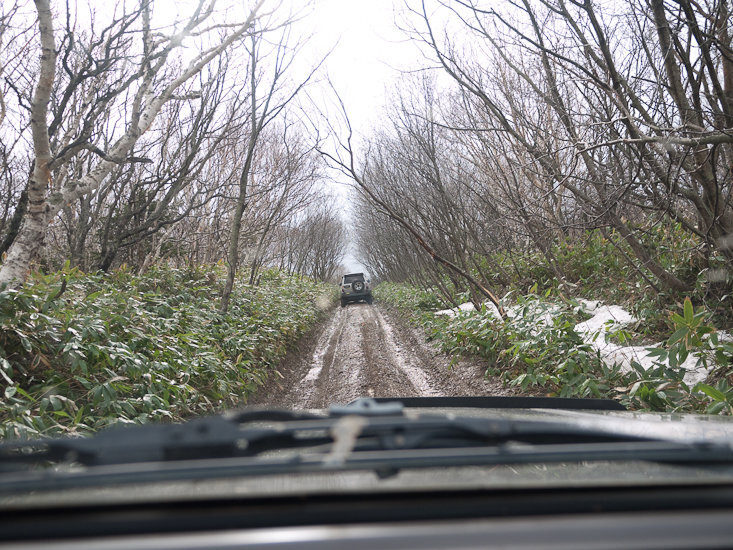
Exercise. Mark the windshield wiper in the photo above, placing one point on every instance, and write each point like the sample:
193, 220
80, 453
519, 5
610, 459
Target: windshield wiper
206, 437
361, 436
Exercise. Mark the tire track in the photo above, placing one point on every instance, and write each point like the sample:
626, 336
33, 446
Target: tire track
321, 362
365, 351
383, 377
408, 363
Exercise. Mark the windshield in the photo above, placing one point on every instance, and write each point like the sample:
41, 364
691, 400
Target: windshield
534, 199
351, 278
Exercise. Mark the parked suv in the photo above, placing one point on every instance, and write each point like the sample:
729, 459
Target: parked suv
355, 288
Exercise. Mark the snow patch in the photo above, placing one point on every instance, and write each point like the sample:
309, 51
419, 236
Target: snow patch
468, 306
542, 312
610, 318
605, 319
589, 306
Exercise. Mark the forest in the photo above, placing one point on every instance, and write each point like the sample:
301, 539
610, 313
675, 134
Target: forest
567, 124
126, 141
565, 149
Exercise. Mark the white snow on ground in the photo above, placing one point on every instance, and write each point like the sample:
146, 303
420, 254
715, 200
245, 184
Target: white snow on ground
609, 318
548, 310
455, 311
605, 319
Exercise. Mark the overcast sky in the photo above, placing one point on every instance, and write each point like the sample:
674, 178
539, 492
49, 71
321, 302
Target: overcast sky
369, 53
370, 50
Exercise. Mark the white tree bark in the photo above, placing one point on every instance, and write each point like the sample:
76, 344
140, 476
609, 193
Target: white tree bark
29, 241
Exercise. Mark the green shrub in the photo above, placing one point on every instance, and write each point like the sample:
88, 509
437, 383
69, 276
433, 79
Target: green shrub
538, 350
408, 298
122, 348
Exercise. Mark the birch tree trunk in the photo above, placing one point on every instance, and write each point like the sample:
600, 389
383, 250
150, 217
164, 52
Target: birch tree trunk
261, 116
236, 228
29, 242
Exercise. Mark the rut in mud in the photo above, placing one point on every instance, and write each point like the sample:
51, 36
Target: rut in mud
366, 351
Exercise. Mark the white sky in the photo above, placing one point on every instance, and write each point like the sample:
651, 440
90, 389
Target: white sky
369, 53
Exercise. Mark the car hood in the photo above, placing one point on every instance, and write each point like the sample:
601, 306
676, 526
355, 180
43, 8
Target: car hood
597, 473
675, 426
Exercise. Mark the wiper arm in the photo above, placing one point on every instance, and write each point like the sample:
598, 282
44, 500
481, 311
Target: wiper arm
251, 433
242, 444
207, 437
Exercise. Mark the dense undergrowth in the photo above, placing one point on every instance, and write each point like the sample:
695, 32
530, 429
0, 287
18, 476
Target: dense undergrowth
593, 267
120, 348
539, 350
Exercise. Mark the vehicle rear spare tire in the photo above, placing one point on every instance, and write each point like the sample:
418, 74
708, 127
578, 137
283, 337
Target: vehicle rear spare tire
358, 286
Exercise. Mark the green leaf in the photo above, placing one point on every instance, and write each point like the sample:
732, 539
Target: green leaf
689, 311
56, 403
678, 336
678, 319
26, 343
25, 394
656, 352
4, 365
711, 392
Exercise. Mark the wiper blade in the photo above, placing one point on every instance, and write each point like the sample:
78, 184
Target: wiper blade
206, 437
374, 437
255, 432
505, 402
384, 463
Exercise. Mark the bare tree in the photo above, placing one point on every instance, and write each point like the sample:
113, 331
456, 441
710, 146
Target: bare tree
142, 92
344, 159
270, 94
636, 118
141, 199
314, 245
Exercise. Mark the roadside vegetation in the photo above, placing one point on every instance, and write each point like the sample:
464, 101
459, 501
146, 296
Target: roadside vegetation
540, 350
556, 152
82, 352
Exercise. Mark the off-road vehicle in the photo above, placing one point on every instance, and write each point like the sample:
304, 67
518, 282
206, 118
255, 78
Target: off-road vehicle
355, 288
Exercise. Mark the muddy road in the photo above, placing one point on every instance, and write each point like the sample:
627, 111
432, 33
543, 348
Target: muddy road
367, 351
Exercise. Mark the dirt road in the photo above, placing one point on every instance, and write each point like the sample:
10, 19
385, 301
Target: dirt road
366, 351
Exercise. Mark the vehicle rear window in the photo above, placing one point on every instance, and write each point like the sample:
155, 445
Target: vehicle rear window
352, 278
